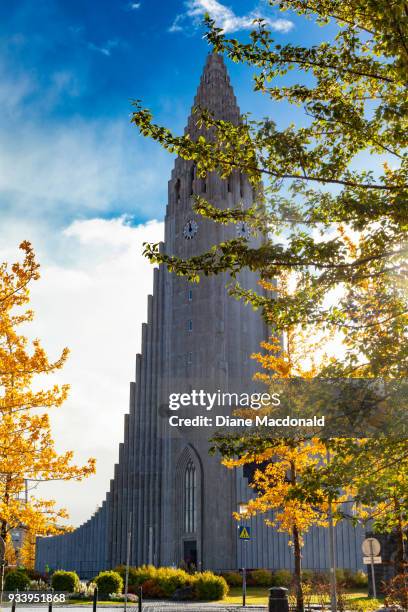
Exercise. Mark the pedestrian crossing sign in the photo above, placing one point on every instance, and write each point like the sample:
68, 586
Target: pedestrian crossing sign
244, 532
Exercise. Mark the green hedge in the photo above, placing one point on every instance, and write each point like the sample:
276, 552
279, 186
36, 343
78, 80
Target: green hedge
233, 579
109, 582
137, 575
16, 579
355, 579
261, 578
163, 582
65, 581
282, 578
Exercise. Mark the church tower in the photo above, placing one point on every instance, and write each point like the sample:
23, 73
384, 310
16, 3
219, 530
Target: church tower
210, 339
174, 498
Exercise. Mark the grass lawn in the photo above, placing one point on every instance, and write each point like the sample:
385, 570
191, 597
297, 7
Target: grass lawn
81, 602
259, 595
255, 596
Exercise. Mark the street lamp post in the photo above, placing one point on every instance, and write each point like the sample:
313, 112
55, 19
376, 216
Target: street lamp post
129, 539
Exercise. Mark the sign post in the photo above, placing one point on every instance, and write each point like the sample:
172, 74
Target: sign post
332, 552
244, 533
371, 549
2, 564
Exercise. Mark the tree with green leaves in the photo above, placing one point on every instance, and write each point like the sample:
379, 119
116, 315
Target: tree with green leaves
342, 175
332, 209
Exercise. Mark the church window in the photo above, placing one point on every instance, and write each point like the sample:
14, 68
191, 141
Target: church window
190, 295
241, 185
177, 190
189, 325
204, 185
192, 177
189, 358
229, 184
190, 498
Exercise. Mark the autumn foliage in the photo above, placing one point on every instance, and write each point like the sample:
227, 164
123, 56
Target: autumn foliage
27, 450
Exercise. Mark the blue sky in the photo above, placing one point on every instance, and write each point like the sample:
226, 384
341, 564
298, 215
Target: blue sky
80, 183
75, 65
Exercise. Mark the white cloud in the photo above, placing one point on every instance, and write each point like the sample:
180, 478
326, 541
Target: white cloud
106, 49
94, 304
225, 17
134, 6
59, 181
74, 167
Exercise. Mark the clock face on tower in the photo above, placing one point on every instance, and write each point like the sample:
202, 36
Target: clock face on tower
243, 230
190, 229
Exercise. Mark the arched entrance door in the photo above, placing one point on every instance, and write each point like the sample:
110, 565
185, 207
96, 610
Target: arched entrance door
188, 509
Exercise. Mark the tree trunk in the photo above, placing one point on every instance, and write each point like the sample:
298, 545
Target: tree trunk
3, 534
297, 553
298, 570
400, 556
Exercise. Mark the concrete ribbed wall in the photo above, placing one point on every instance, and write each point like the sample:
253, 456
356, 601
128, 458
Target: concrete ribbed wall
145, 487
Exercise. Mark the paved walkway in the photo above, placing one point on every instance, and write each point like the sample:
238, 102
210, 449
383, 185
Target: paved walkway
160, 606
148, 606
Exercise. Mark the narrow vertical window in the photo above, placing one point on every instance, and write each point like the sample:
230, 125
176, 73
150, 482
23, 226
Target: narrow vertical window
229, 184
177, 190
192, 177
189, 325
241, 185
190, 502
190, 295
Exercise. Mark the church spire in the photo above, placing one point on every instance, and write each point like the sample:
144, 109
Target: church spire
215, 93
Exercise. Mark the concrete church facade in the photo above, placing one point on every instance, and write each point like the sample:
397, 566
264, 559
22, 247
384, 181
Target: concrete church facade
174, 497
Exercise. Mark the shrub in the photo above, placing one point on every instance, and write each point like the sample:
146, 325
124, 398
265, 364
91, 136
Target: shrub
351, 579
38, 585
151, 590
233, 579
282, 578
121, 570
210, 587
308, 576
121, 597
163, 582
261, 577
109, 582
16, 579
396, 592
65, 581
169, 579
139, 575
341, 576
359, 580
85, 591
34, 574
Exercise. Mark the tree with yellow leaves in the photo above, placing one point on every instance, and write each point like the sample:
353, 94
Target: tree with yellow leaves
10, 555
27, 550
27, 449
280, 468
283, 461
